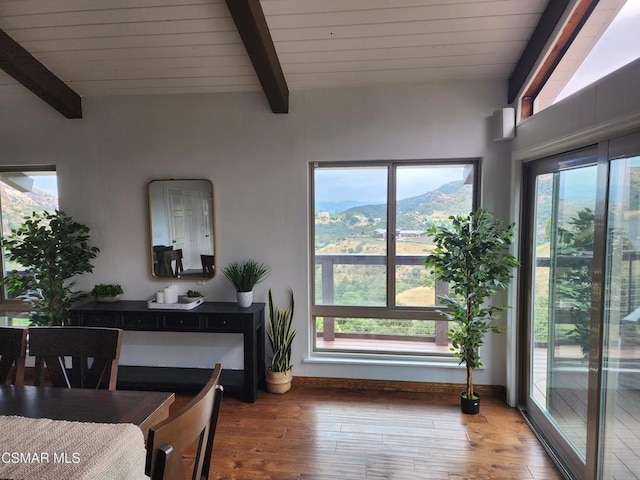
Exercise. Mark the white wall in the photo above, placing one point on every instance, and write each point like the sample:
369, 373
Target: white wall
258, 162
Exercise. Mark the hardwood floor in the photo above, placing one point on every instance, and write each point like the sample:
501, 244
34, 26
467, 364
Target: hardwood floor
338, 434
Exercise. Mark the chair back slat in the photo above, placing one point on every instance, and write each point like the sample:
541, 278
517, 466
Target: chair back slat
168, 440
94, 354
217, 401
13, 342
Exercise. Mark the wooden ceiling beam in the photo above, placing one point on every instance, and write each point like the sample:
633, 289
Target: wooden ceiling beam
32, 74
252, 26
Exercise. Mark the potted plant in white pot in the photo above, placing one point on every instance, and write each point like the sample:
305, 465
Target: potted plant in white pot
471, 255
281, 335
244, 276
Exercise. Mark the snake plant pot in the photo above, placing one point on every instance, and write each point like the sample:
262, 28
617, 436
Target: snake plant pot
470, 406
279, 382
245, 299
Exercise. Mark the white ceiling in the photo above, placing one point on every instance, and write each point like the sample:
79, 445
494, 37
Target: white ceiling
113, 47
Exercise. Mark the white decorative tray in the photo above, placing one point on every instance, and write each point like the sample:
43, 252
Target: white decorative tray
184, 303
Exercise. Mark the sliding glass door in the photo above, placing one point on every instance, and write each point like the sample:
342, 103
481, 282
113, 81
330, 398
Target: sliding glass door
581, 308
621, 348
560, 272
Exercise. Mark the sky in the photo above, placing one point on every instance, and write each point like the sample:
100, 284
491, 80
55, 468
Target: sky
45, 183
369, 185
618, 46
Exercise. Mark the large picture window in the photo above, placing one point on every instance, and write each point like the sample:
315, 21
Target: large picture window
371, 291
22, 192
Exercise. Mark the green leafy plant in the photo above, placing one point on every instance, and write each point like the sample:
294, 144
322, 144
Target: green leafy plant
52, 248
471, 255
193, 294
246, 274
107, 290
281, 334
573, 274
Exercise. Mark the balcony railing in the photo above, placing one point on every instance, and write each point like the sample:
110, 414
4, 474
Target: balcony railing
327, 263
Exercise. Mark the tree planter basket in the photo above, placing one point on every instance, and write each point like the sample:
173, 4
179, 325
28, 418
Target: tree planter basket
470, 406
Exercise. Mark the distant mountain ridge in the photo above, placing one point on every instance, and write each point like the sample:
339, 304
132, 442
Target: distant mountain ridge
414, 213
337, 207
454, 198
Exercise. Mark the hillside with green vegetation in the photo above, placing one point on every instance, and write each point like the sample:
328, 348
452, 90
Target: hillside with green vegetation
361, 230
16, 205
413, 213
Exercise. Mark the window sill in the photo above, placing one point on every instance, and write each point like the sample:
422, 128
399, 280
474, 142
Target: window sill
344, 358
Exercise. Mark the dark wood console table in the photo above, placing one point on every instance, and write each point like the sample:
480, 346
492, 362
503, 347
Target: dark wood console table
210, 317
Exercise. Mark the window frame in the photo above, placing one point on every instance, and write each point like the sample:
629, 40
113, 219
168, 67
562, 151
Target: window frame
15, 304
390, 311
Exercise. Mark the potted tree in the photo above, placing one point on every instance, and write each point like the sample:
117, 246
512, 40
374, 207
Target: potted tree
52, 248
244, 276
107, 292
281, 335
471, 255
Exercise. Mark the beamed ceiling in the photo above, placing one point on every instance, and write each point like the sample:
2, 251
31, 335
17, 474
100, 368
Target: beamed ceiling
63, 50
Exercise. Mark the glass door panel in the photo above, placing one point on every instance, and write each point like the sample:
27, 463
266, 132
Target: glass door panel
561, 279
620, 444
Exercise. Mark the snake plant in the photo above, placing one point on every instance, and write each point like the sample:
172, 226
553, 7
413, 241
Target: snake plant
281, 334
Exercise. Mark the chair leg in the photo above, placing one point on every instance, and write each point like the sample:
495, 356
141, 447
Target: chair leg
38, 379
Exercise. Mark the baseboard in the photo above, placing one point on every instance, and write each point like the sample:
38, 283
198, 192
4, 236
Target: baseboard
496, 391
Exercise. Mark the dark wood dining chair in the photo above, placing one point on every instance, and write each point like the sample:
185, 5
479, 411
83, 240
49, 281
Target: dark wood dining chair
207, 265
94, 353
177, 255
168, 440
160, 267
13, 345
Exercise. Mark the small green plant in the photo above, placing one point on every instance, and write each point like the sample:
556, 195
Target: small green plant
281, 334
106, 290
193, 294
471, 255
52, 248
246, 274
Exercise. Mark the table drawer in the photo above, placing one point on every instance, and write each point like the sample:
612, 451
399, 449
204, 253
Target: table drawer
101, 319
182, 322
224, 323
140, 321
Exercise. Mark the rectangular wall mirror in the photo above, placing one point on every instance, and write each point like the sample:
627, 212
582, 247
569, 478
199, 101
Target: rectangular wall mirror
181, 229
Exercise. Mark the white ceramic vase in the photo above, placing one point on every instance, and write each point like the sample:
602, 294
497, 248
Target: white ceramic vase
245, 299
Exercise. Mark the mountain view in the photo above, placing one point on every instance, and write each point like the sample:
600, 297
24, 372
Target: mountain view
16, 205
416, 213
361, 230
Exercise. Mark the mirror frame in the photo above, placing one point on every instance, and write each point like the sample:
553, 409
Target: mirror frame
152, 247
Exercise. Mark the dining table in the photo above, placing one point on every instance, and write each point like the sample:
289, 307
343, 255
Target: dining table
76, 434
